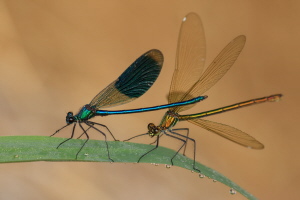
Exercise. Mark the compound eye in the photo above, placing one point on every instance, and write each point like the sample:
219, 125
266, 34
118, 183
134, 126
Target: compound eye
151, 126
152, 129
70, 118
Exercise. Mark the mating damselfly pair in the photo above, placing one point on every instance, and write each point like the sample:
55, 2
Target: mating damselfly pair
189, 82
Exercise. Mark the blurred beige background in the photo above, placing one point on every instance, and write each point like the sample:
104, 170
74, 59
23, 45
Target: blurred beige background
55, 56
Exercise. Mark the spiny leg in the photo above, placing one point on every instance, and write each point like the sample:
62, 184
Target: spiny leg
157, 141
187, 135
73, 131
87, 136
188, 138
83, 133
91, 125
184, 143
59, 130
135, 137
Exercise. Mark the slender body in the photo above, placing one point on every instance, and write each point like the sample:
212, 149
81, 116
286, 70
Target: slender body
171, 118
271, 98
132, 83
189, 81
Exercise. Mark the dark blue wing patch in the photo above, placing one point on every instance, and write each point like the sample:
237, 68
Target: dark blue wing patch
141, 74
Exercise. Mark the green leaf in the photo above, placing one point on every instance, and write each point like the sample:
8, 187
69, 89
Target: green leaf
41, 148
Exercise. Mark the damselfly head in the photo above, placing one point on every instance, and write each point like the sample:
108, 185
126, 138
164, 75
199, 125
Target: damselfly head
70, 118
153, 130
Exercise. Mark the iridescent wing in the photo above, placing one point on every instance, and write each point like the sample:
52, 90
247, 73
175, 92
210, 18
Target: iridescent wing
229, 133
216, 70
190, 57
132, 83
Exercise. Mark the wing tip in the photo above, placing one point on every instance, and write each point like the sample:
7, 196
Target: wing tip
190, 14
156, 55
241, 38
257, 146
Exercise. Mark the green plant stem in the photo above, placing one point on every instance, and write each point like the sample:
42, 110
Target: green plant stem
41, 148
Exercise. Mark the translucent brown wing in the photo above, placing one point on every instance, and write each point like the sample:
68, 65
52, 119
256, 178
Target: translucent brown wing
216, 70
229, 133
190, 57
